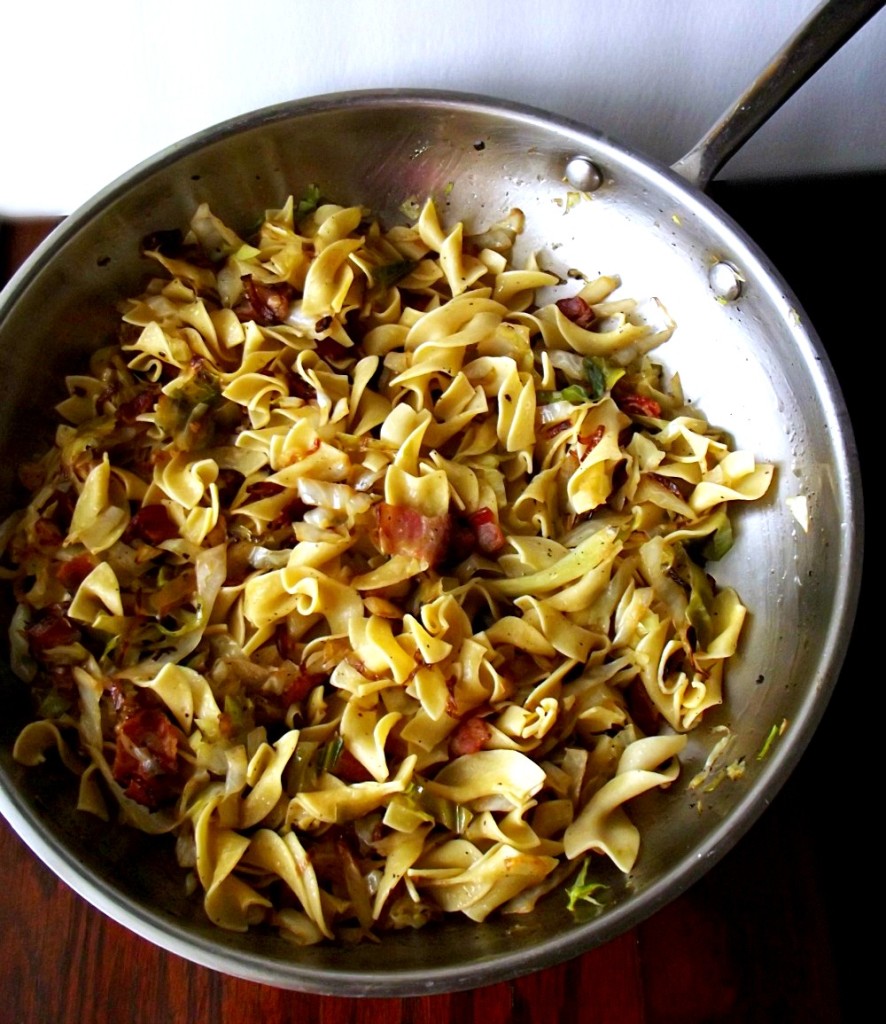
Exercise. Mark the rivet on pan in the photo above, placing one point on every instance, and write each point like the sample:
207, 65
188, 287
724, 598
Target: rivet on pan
725, 281
583, 174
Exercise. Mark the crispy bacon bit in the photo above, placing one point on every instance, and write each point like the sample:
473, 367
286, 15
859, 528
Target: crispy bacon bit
402, 530
637, 405
552, 429
301, 685
47, 534
349, 769
146, 762
668, 482
490, 538
293, 511
128, 412
263, 489
577, 310
226, 725
264, 303
74, 571
590, 441
300, 388
451, 702
108, 392
151, 524
52, 630
469, 736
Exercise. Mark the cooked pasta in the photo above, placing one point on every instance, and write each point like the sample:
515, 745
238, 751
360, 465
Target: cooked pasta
377, 581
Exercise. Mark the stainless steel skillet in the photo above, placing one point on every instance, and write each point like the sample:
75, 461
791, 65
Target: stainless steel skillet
745, 354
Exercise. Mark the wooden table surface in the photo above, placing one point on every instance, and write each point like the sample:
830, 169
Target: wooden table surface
769, 934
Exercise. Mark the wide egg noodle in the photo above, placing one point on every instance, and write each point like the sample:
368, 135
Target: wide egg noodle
352, 559
603, 824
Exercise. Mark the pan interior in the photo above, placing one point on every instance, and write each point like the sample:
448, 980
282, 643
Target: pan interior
751, 365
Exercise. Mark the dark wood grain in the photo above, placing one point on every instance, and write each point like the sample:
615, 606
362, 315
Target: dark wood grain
767, 935
751, 941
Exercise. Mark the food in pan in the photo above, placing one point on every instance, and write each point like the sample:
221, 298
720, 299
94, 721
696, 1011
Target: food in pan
378, 581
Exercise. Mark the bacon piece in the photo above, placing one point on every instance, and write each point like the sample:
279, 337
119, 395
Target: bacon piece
128, 412
552, 429
292, 511
469, 736
577, 310
263, 489
146, 762
300, 388
74, 571
264, 303
52, 630
451, 702
669, 483
152, 524
590, 441
47, 534
301, 686
637, 405
402, 530
490, 538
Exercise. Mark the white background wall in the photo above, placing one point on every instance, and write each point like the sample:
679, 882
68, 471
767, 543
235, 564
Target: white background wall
91, 88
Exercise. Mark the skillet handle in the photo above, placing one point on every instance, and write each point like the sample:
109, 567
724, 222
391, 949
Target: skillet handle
828, 27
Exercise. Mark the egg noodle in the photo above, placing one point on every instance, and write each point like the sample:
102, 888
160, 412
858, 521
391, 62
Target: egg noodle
378, 583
